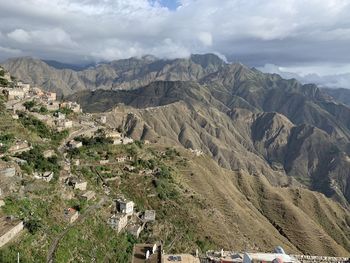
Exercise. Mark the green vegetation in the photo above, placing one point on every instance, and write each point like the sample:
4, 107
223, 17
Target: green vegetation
41, 129
4, 82
93, 141
2, 105
5, 141
2, 72
65, 110
37, 162
29, 104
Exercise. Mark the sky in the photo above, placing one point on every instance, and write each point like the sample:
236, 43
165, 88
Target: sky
307, 39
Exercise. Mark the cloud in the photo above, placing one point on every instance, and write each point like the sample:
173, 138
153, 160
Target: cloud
293, 33
206, 38
19, 35
47, 37
323, 76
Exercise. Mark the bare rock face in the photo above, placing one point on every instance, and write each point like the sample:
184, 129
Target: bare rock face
121, 74
260, 123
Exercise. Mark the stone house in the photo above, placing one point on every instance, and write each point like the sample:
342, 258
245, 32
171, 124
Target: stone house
9, 228
63, 124
89, 195
103, 119
127, 140
13, 94
75, 107
122, 159
45, 176
105, 161
49, 153
118, 221
71, 215
75, 144
81, 185
129, 168
135, 229
53, 105
149, 216
51, 96
125, 206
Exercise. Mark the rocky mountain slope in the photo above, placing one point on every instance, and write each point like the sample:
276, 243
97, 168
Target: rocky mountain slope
262, 166
121, 74
246, 120
341, 94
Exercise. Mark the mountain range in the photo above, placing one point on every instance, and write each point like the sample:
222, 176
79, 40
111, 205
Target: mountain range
260, 126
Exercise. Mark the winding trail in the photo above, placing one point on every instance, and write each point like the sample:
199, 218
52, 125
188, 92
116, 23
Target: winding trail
55, 243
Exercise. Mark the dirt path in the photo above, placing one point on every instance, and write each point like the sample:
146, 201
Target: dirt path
53, 248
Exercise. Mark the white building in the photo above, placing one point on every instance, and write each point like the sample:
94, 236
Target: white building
9, 228
118, 221
75, 144
125, 206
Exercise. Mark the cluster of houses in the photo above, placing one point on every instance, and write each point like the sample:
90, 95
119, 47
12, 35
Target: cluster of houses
124, 217
19, 93
118, 138
154, 253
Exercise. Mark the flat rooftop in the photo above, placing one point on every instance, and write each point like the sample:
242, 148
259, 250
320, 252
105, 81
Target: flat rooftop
177, 258
7, 224
139, 254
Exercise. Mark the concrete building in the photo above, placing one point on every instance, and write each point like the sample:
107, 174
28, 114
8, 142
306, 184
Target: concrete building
49, 153
71, 215
183, 258
135, 229
80, 185
105, 161
51, 96
266, 257
125, 206
53, 105
103, 119
149, 216
127, 140
16, 107
89, 195
23, 86
75, 144
118, 221
15, 93
9, 228
122, 159
45, 176
150, 253
63, 124
60, 115
113, 135
75, 107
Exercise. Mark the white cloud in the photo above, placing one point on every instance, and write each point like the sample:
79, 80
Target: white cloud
206, 38
324, 76
19, 35
47, 37
287, 33
10, 51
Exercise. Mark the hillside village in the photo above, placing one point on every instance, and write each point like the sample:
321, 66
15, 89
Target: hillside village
65, 175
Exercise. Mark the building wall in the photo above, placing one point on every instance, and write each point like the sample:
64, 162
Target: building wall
11, 234
121, 223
